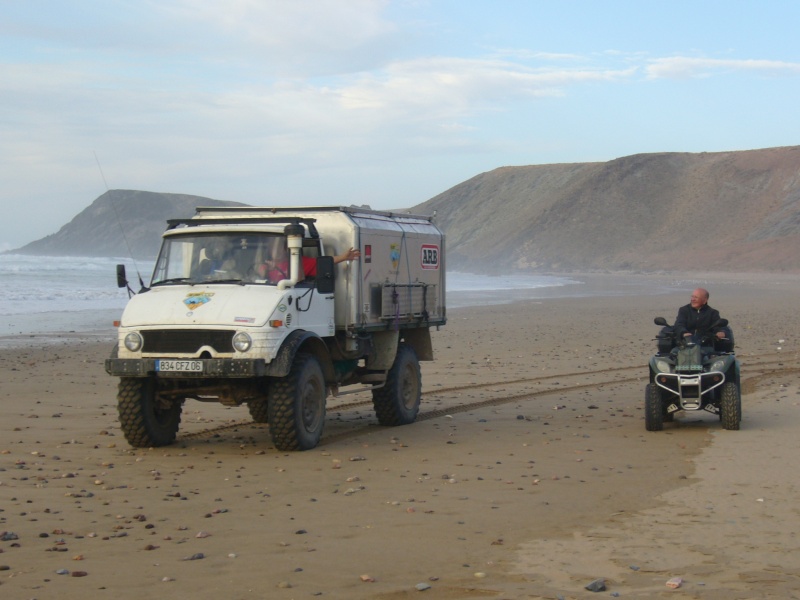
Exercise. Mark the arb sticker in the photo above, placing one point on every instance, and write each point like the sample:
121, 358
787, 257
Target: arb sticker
430, 256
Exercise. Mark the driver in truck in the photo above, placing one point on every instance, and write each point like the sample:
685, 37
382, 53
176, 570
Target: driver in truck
218, 257
697, 318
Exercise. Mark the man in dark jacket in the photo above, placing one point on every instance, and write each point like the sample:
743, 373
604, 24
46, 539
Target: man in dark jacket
697, 317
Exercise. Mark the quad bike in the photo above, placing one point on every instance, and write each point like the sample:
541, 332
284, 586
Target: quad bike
693, 374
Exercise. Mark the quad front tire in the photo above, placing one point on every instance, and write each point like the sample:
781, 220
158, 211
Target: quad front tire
147, 420
397, 402
653, 408
730, 406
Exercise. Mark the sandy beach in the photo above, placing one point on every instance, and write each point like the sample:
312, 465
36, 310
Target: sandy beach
529, 473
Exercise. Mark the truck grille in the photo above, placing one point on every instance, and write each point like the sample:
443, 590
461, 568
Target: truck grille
186, 341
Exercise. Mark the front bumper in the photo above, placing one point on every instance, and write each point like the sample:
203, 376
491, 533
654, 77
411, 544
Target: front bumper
690, 388
212, 367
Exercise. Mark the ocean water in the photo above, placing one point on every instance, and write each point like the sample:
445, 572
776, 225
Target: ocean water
79, 295
55, 294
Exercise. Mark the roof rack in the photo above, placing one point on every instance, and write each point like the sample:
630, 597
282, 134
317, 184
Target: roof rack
194, 222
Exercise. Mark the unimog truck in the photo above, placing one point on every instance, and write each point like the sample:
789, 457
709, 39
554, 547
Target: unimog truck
252, 306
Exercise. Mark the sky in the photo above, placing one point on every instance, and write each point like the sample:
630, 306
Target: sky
379, 102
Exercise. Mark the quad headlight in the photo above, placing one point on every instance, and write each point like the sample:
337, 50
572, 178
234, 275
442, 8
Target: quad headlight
134, 341
663, 366
718, 365
242, 341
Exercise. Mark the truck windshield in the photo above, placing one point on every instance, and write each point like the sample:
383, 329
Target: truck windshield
239, 257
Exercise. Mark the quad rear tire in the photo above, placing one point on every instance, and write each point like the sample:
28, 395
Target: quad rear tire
653, 408
397, 402
730, 406
296, 408
146, 419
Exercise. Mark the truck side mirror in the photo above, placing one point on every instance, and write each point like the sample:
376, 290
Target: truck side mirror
122, 280
325, 279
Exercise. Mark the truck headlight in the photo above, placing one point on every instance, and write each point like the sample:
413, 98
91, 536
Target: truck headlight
663, 366
133, 341
242, 341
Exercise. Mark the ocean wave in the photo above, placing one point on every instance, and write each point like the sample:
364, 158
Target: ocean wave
471, 282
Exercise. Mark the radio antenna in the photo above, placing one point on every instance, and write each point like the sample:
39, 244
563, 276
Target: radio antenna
119, 222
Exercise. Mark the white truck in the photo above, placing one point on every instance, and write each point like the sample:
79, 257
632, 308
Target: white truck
248, 305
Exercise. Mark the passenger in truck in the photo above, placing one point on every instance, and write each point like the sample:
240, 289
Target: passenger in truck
277, 268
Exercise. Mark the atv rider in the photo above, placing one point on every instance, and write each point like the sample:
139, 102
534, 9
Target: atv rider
697, 318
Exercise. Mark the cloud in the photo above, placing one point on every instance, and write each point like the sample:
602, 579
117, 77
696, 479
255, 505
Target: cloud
454, 86
150, 125
291, 38
527, 54
681, 67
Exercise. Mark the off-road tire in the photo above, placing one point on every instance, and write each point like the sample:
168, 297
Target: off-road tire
397, 402
296, 408
259, 410
653, 408
145, 419
730, 406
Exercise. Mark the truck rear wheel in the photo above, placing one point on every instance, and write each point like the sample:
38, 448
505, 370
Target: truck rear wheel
730, 406
146, 419
397, 402
259, 410
296, 407
653, 408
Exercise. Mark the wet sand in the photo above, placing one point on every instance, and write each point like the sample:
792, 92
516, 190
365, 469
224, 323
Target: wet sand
528, 475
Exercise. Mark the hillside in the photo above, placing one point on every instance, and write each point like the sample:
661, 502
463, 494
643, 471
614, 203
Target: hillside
727, 211
722, 211
119, 219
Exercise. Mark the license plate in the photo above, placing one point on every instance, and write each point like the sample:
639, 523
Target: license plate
179, 366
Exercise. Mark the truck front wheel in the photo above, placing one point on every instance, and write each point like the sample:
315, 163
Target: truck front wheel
397, 402
297, 405
146, 419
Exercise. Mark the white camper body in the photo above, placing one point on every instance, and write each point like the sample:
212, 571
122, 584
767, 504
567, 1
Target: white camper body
262, 306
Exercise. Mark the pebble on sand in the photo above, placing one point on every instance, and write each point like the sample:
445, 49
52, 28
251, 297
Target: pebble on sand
598, 585
197, 556
674, 583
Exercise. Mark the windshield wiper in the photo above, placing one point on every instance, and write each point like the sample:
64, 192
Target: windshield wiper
172, 280
239, 281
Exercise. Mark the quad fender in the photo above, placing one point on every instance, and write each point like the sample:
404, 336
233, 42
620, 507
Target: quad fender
311, 343
728, 365
734, 370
